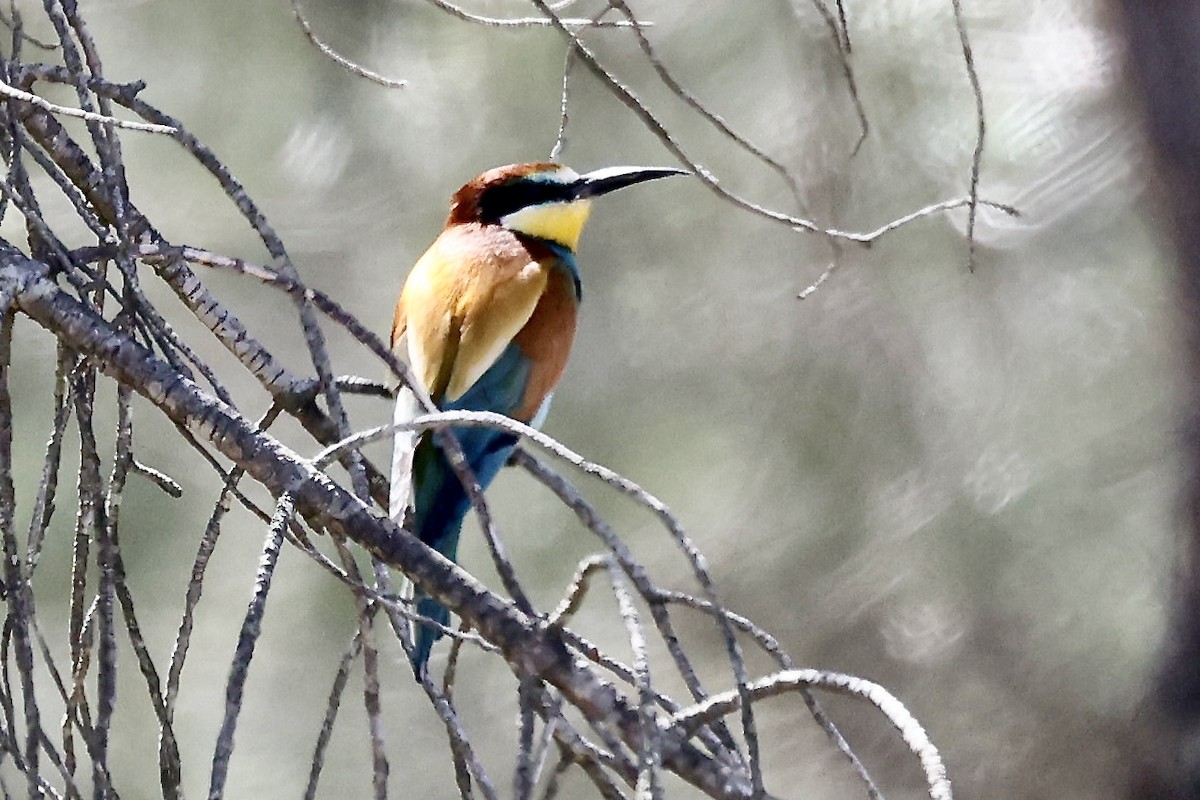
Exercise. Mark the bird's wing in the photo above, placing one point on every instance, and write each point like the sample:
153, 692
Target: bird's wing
404, 445
464, 301
399, 325
457, 313
494, 309
425, 319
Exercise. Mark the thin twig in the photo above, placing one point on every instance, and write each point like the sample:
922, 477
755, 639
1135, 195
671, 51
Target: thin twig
693, 102
340, 679
523, 773
159, 478
564, 117
521, 22
792, 680
626, 95
19, 594
91, 116
771, 646
845, 28
48, 486
251, 627
631, 567
339, 59
577, 588
649, 755
981, 128
840, 32
14, 24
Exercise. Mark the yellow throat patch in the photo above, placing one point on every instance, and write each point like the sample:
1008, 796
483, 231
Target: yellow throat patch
561, 223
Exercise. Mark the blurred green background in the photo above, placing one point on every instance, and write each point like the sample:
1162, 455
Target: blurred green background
958, 485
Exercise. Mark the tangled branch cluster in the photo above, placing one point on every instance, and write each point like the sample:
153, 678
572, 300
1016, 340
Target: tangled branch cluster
579, 706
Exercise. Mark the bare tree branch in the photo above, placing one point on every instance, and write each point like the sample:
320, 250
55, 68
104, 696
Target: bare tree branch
531, 648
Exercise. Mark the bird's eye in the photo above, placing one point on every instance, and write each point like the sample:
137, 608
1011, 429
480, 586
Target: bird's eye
500, 201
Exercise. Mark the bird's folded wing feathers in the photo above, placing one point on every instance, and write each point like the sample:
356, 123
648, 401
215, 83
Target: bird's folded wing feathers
452, 325
492, 313
404, 444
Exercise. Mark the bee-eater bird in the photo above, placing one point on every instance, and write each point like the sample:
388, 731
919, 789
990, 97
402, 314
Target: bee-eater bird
486, 320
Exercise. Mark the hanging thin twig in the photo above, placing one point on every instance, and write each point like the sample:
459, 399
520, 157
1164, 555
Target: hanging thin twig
980, 126
341, 60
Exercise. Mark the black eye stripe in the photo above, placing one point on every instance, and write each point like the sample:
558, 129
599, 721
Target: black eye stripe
500, 201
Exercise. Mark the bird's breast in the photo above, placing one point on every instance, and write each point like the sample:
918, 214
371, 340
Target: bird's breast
478, 290
546, 339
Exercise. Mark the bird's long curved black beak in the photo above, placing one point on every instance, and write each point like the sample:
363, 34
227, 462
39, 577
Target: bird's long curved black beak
609, 179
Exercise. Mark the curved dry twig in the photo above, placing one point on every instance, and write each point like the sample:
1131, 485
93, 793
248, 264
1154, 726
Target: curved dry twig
285, 507
340, 60
519, 22
91, 116
579, 581
981, 129
714, 119
839, 30
793, 680
649, 754
627, 96
631, 567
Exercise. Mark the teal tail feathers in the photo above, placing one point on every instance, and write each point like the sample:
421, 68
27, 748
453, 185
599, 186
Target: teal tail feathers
440, 503
425, 635
423, 480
